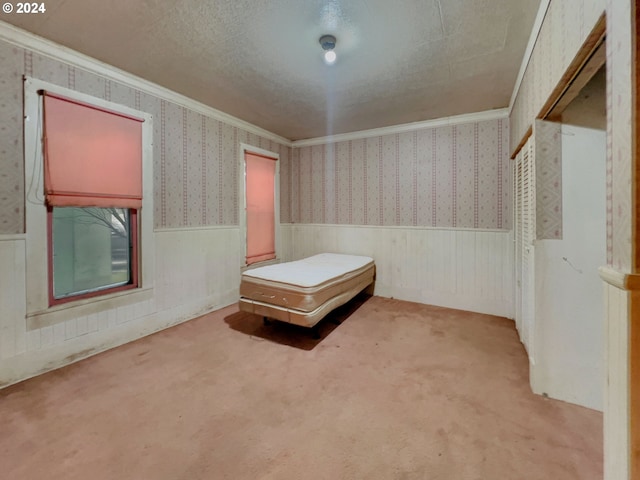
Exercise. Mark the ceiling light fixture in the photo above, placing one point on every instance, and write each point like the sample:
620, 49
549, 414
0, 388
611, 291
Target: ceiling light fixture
328, 43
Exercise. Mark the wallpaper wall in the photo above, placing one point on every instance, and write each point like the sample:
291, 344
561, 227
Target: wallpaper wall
548, 157
452, 176
565, 27
195, 162
623, 252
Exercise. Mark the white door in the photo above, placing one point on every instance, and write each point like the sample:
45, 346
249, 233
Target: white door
525, 230
517, 195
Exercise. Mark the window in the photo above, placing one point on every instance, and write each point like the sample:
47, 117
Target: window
71, 172
93, 250
261, 225
93, 190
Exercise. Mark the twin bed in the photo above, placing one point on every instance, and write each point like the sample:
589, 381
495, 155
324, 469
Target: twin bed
304, 291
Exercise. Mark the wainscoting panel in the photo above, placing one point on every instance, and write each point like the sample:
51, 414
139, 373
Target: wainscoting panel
12, 296
465, 269
197, 264
197, 271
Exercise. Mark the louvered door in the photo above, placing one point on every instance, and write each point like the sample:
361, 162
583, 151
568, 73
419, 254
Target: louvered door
517, 195
525, 228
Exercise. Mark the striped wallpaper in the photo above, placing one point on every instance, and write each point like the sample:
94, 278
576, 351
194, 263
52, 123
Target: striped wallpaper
195, 157
453, 176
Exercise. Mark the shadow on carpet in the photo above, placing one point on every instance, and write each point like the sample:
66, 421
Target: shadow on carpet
294, 335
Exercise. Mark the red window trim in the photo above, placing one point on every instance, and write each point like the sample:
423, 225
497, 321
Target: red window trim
133, 226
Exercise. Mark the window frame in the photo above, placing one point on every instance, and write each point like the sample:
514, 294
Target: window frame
40, 312
246, 148
133, 283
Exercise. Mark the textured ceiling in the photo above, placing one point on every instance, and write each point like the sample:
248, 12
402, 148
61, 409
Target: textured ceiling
260, 60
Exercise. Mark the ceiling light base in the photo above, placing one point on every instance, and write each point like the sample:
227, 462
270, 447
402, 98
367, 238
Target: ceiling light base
327, 42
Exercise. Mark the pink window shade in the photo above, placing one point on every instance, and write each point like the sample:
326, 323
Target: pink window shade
260, 178
92, 157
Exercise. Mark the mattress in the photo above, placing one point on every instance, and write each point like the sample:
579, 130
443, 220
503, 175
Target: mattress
304, 291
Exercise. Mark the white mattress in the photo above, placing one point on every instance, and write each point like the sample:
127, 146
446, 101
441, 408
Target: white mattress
311, 271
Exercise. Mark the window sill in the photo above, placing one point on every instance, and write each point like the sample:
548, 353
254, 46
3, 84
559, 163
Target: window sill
87, 306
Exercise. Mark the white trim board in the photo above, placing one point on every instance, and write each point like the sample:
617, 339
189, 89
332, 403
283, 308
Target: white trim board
42, 46
13, 237
620, 280
406, 127
195, 229
399, 227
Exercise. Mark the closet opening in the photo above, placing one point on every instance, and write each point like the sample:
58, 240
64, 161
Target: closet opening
561, 235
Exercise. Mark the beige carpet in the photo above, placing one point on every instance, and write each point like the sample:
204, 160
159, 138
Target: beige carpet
397, 391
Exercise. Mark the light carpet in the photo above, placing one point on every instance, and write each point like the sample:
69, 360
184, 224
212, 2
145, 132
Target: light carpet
399, 390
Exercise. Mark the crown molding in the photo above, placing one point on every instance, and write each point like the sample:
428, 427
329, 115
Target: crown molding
406, 127
533, 38
21, 38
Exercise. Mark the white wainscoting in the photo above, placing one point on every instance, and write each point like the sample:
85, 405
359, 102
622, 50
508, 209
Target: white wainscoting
196, 271
197, 266
12, 296
617, 451
457, 268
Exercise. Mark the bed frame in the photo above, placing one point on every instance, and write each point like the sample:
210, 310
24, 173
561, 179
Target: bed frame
334, 279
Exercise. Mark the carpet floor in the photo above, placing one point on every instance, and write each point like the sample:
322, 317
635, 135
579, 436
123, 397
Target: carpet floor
399, 390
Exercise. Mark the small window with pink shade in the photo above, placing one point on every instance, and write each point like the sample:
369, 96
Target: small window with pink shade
93, 191
260, 188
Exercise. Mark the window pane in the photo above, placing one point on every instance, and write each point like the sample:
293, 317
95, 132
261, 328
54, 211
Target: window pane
91, 249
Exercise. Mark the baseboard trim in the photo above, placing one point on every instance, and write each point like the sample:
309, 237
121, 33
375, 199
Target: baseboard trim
453, 300
36, 362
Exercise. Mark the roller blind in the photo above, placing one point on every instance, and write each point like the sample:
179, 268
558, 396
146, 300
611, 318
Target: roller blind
260, 187
92, 156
